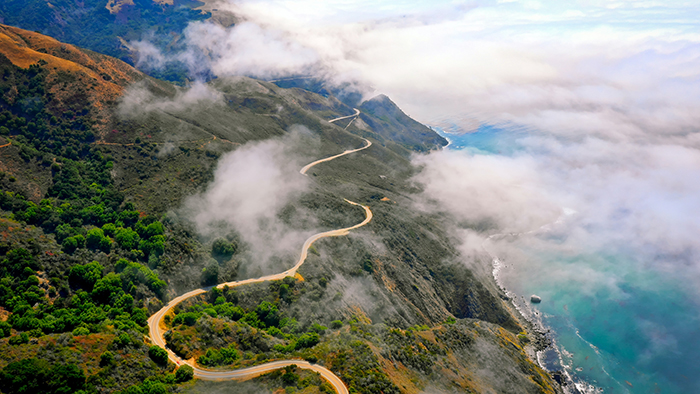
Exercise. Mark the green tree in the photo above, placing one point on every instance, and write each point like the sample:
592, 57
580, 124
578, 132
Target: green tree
210, 275
155, 228
184, 374
127, 238
153, 245
85, 276
310, 339
70, 244
290, 378
96, 239
222, 250
268, 314
5, 329
158, 354
108, 288
336, 324
37, 376
106, 358
109, 229
66, 379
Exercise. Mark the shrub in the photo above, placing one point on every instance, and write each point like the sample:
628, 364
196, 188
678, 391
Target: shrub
336, 324
310, 339
79, 331
158, 354
184, 374
106, 358
19, 339
222, 250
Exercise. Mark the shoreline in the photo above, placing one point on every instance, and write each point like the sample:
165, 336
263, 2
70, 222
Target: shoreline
541, 341
542, 349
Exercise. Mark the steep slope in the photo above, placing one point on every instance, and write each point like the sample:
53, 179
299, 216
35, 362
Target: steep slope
75, 79
387, 120
108, 163
100, 24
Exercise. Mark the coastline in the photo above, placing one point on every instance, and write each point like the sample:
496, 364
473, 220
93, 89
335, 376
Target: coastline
543, 348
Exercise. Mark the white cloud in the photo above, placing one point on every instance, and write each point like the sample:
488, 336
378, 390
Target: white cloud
139, 100
251, 187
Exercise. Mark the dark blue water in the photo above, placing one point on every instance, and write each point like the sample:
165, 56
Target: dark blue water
622, 324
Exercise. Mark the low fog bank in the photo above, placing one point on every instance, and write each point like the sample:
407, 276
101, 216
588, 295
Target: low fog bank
572, 68
139, 100
593, 196
227, 387
252, 187
605, 232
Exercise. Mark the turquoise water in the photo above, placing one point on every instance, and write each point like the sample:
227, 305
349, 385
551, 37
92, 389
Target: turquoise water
621, 324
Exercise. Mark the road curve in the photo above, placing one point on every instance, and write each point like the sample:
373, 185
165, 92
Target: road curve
157, 329
357, 113
6, 145
347, 152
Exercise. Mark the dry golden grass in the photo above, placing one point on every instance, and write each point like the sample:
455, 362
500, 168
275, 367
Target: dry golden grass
114, 6
100, 78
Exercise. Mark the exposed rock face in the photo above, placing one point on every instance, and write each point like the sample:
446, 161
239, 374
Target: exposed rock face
535, 299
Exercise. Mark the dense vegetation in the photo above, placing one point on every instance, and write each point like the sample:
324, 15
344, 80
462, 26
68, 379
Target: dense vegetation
51, 286
225, 331
90, 25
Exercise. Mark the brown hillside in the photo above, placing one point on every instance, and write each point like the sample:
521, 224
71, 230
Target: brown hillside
76, 77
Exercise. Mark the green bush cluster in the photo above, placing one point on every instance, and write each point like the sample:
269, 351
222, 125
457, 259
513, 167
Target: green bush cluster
215, 357
38, 376
158, 355
96, 297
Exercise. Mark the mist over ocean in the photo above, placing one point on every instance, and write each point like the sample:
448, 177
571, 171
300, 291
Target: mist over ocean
623, 321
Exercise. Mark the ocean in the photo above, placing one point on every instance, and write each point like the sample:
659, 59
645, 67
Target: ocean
621, 321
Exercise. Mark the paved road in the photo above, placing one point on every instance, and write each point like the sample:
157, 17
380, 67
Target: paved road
357, 113
249, 373
157, 328
347, 152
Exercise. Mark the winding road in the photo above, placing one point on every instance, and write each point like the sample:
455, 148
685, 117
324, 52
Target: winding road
357, 113
347, 152
157, 328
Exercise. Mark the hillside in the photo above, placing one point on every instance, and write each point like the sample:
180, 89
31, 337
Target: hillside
97, 179
101, 25
74, 79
